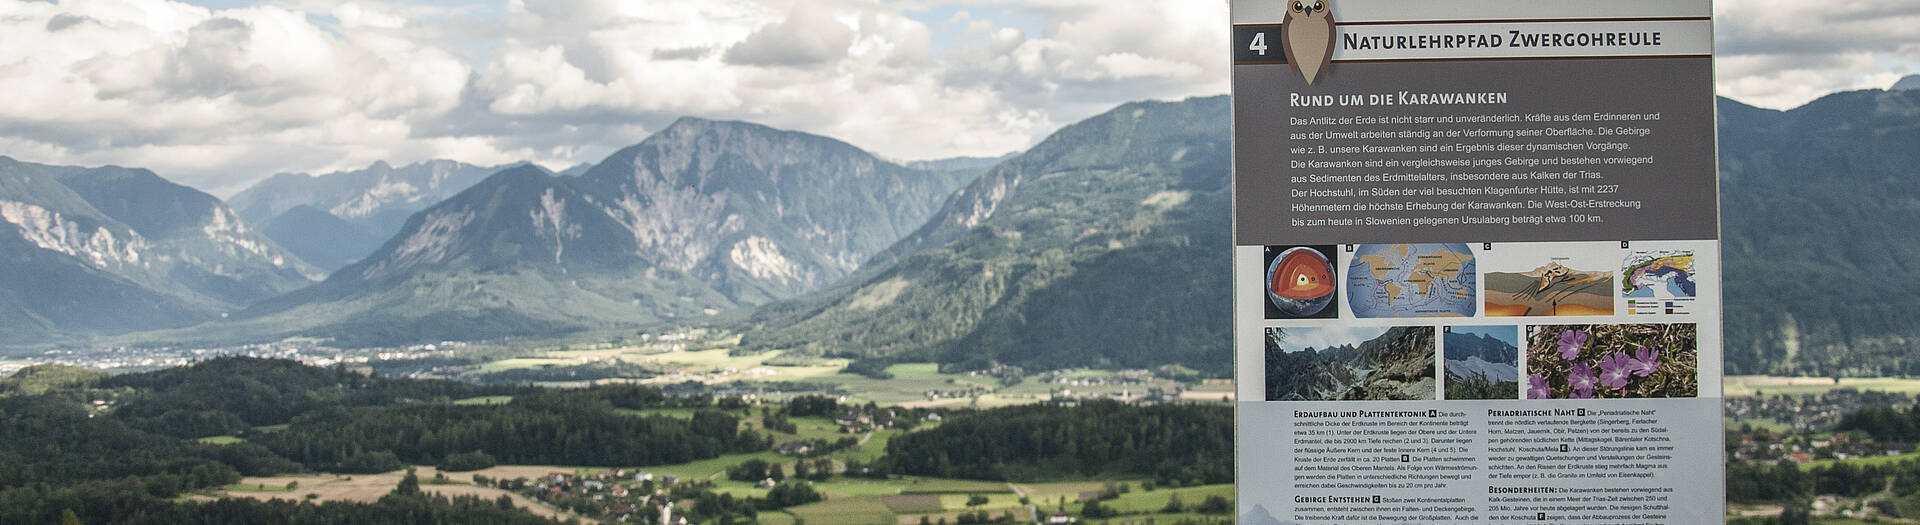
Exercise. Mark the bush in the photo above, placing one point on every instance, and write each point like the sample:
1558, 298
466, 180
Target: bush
370, 463
467, 461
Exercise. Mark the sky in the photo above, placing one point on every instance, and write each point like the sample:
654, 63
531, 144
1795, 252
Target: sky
218, 94
1508, 334
1323, 337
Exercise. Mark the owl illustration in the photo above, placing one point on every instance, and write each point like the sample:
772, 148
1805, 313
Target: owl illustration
1309, 31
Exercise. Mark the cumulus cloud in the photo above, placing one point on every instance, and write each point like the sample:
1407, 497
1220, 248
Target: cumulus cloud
220, 98
212, 98
809, 36
1781, 54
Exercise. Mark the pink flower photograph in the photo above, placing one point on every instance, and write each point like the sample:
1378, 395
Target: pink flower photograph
1612, 361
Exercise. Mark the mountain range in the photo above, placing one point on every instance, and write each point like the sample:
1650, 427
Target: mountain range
1397, 364
108, 250
1099, 246
1818, 206
703, 216
1463, 346
1469, 354
371, 203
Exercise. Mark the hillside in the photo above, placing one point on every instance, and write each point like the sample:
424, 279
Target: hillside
108, 250
1103, 245
376, 200
320, 238
1818, 206
700, 218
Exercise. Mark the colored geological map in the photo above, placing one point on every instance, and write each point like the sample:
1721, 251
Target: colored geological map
1412, 280
1658, 275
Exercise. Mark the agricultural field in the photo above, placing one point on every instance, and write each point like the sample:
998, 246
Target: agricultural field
1151, 501
484, 400
680, 413
1758, 422
915, 385
845, 511
370, 487
1861, 461
715, 468
1742, 386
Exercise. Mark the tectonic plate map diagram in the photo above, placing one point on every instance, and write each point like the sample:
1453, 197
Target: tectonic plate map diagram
1658, 275
1412, 280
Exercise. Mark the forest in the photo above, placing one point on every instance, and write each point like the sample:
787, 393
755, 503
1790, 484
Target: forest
126, 449
1176, 445
118, 449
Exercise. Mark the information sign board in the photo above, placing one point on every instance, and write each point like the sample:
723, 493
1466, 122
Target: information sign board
1476, 262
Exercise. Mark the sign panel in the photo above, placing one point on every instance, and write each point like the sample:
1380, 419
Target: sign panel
1476, 262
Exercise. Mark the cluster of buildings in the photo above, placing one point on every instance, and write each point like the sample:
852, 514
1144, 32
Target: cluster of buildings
638, 497
1767, 446
130, 359
1807, 419
1812, 413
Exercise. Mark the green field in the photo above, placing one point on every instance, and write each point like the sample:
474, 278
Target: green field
485, 400
775, 518
221, 440
845, 511
1145, 501
708, 468
523, 362
994, 501
910, 383
875, 447
1765, 423
914, 503
1742, 386
681, 413
1861, 462
713, 361
814, 427
956, 486
739, 489
1048, 494
843, 486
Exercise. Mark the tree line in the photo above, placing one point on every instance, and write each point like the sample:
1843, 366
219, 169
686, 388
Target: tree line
1175, 445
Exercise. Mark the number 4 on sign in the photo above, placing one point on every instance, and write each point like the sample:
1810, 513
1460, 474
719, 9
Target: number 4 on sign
1259, 44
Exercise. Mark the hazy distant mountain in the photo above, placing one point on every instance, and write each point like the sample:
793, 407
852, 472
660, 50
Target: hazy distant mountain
1908, 82
378, 199
109, 250
319, 237
1103, 245
960, 163
701, 217
1260, 516
1819, 207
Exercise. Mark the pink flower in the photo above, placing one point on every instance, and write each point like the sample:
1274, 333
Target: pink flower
1570, 343
1646, 361
1582, 379
1537, 387
1615, 368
